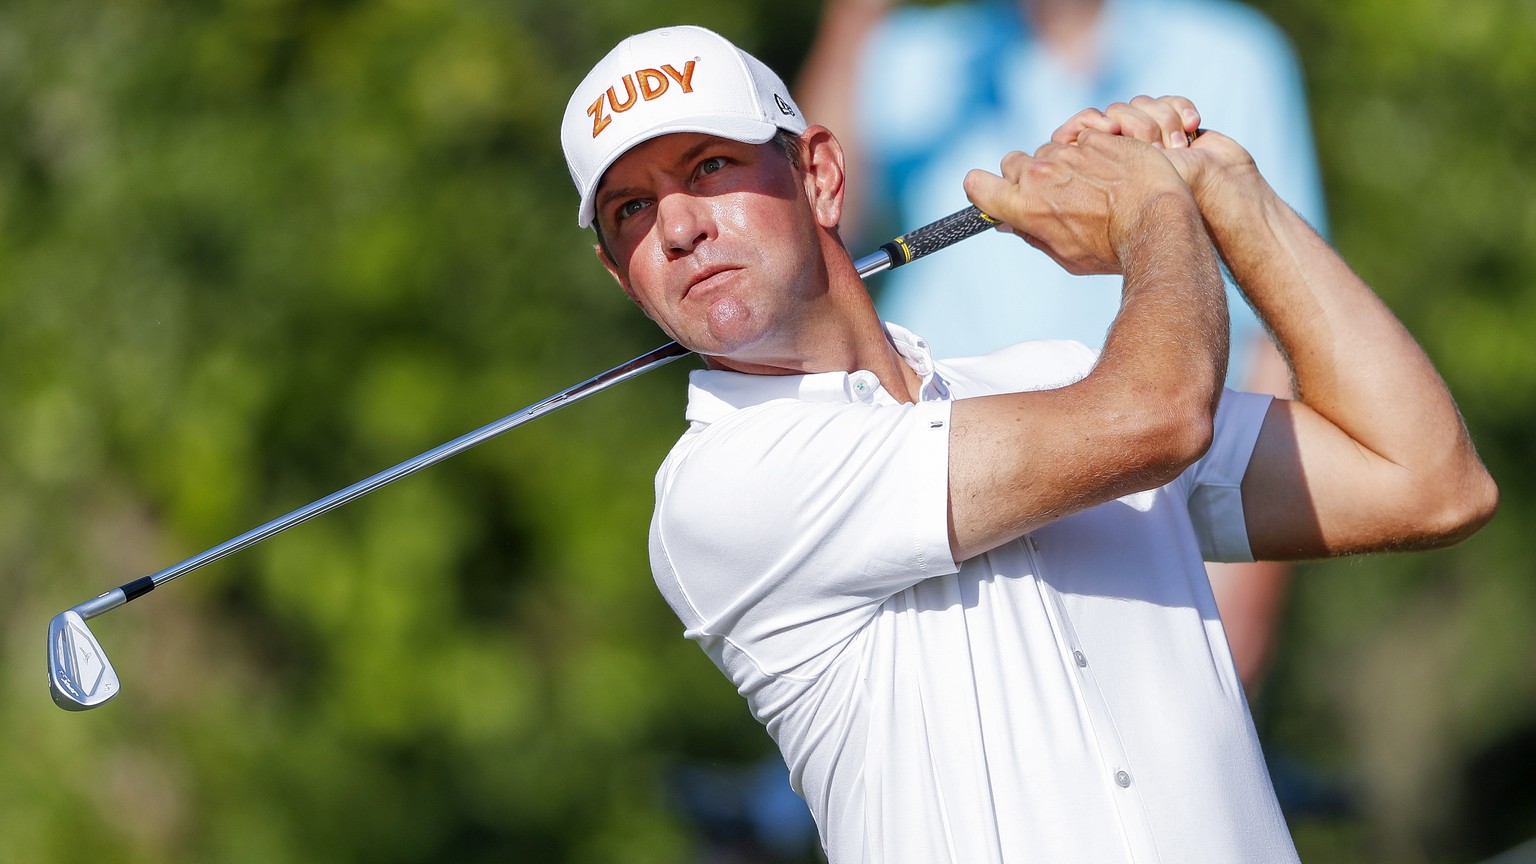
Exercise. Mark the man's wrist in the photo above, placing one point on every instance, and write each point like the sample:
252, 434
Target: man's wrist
1246, 220
1232, 194
1159, 214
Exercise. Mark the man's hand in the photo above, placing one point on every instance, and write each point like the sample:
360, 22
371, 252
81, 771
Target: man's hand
1170, 122
1101, 202
1211, 164
1082, 203
1372, 453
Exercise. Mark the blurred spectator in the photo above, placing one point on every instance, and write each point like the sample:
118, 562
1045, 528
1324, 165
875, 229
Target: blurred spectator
745, 815
918, 95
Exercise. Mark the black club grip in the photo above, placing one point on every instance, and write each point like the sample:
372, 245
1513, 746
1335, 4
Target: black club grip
936, 235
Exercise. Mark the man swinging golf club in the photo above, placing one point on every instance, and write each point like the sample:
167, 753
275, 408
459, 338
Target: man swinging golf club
966, 597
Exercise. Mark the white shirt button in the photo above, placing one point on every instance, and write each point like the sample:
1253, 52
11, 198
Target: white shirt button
1081, 658
1122, 779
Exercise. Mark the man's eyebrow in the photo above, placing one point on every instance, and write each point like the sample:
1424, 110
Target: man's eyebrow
693, 152
607, 197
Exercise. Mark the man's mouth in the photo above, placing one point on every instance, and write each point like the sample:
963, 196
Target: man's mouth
710, 278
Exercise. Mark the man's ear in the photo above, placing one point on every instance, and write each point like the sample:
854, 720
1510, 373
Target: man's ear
824, 177
613, 270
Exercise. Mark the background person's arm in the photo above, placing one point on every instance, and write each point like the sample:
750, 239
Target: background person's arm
827, 89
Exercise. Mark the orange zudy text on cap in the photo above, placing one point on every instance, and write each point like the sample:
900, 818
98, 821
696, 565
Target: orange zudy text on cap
651, 84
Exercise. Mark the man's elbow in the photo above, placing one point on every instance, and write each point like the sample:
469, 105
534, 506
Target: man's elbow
1456, 509
1477, 504
1177, 431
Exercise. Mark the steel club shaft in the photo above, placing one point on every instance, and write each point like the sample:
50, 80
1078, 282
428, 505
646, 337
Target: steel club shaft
80, 676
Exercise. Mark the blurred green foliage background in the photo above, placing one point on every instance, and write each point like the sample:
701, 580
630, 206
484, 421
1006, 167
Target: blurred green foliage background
254, 250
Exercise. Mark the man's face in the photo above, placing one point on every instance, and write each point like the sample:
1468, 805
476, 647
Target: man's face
715, 239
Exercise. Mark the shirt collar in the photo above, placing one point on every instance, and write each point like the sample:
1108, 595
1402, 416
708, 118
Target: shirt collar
714, 393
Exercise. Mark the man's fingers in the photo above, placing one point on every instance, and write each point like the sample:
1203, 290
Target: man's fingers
991, 193
1170, 122
1133, 123
1189, 115
1088, 118
1167, 121
1137, 123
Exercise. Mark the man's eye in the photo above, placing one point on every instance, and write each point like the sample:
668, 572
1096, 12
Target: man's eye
630, 208
711, 165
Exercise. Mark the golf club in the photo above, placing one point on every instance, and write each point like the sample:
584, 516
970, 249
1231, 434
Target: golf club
79, 674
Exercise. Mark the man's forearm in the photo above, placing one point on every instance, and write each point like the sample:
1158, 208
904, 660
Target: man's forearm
1173, 323
1352, 360
1412, 467
1372, 454
1145, 412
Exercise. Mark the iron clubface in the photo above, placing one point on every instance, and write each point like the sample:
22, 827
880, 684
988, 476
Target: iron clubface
79, 674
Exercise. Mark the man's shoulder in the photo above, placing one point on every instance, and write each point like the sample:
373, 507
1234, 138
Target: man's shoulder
1038, 364
737, 426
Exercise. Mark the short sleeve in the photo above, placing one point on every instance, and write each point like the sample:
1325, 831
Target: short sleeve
1214, 483
783, 526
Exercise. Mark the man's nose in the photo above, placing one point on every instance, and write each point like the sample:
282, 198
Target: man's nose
685, 223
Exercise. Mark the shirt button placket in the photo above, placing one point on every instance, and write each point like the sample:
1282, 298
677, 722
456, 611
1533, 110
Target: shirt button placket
1133, 816
863, 387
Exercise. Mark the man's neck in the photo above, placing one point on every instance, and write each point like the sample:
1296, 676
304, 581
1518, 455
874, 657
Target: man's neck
846, 336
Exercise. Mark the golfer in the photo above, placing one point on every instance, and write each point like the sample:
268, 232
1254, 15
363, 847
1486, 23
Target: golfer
966, 597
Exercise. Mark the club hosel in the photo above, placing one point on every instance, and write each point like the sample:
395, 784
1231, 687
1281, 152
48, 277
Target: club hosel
105, 603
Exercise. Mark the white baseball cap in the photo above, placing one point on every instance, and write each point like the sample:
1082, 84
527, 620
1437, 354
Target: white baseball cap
675, 79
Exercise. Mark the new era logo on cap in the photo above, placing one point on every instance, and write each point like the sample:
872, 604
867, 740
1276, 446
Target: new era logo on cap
675, 79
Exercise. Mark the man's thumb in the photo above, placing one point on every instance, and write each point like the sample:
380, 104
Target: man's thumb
990, 192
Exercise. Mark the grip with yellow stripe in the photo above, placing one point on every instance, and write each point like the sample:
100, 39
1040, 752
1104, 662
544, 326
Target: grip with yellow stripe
936, 235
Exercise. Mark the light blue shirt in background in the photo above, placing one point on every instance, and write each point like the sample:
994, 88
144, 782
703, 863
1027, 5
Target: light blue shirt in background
949, 88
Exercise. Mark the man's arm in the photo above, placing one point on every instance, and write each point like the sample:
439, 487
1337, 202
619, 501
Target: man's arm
1018, 461
1372, 454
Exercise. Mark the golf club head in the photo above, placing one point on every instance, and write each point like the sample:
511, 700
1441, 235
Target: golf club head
79, 674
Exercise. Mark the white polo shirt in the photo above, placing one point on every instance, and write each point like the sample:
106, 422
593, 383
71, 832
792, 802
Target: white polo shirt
1067, 697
